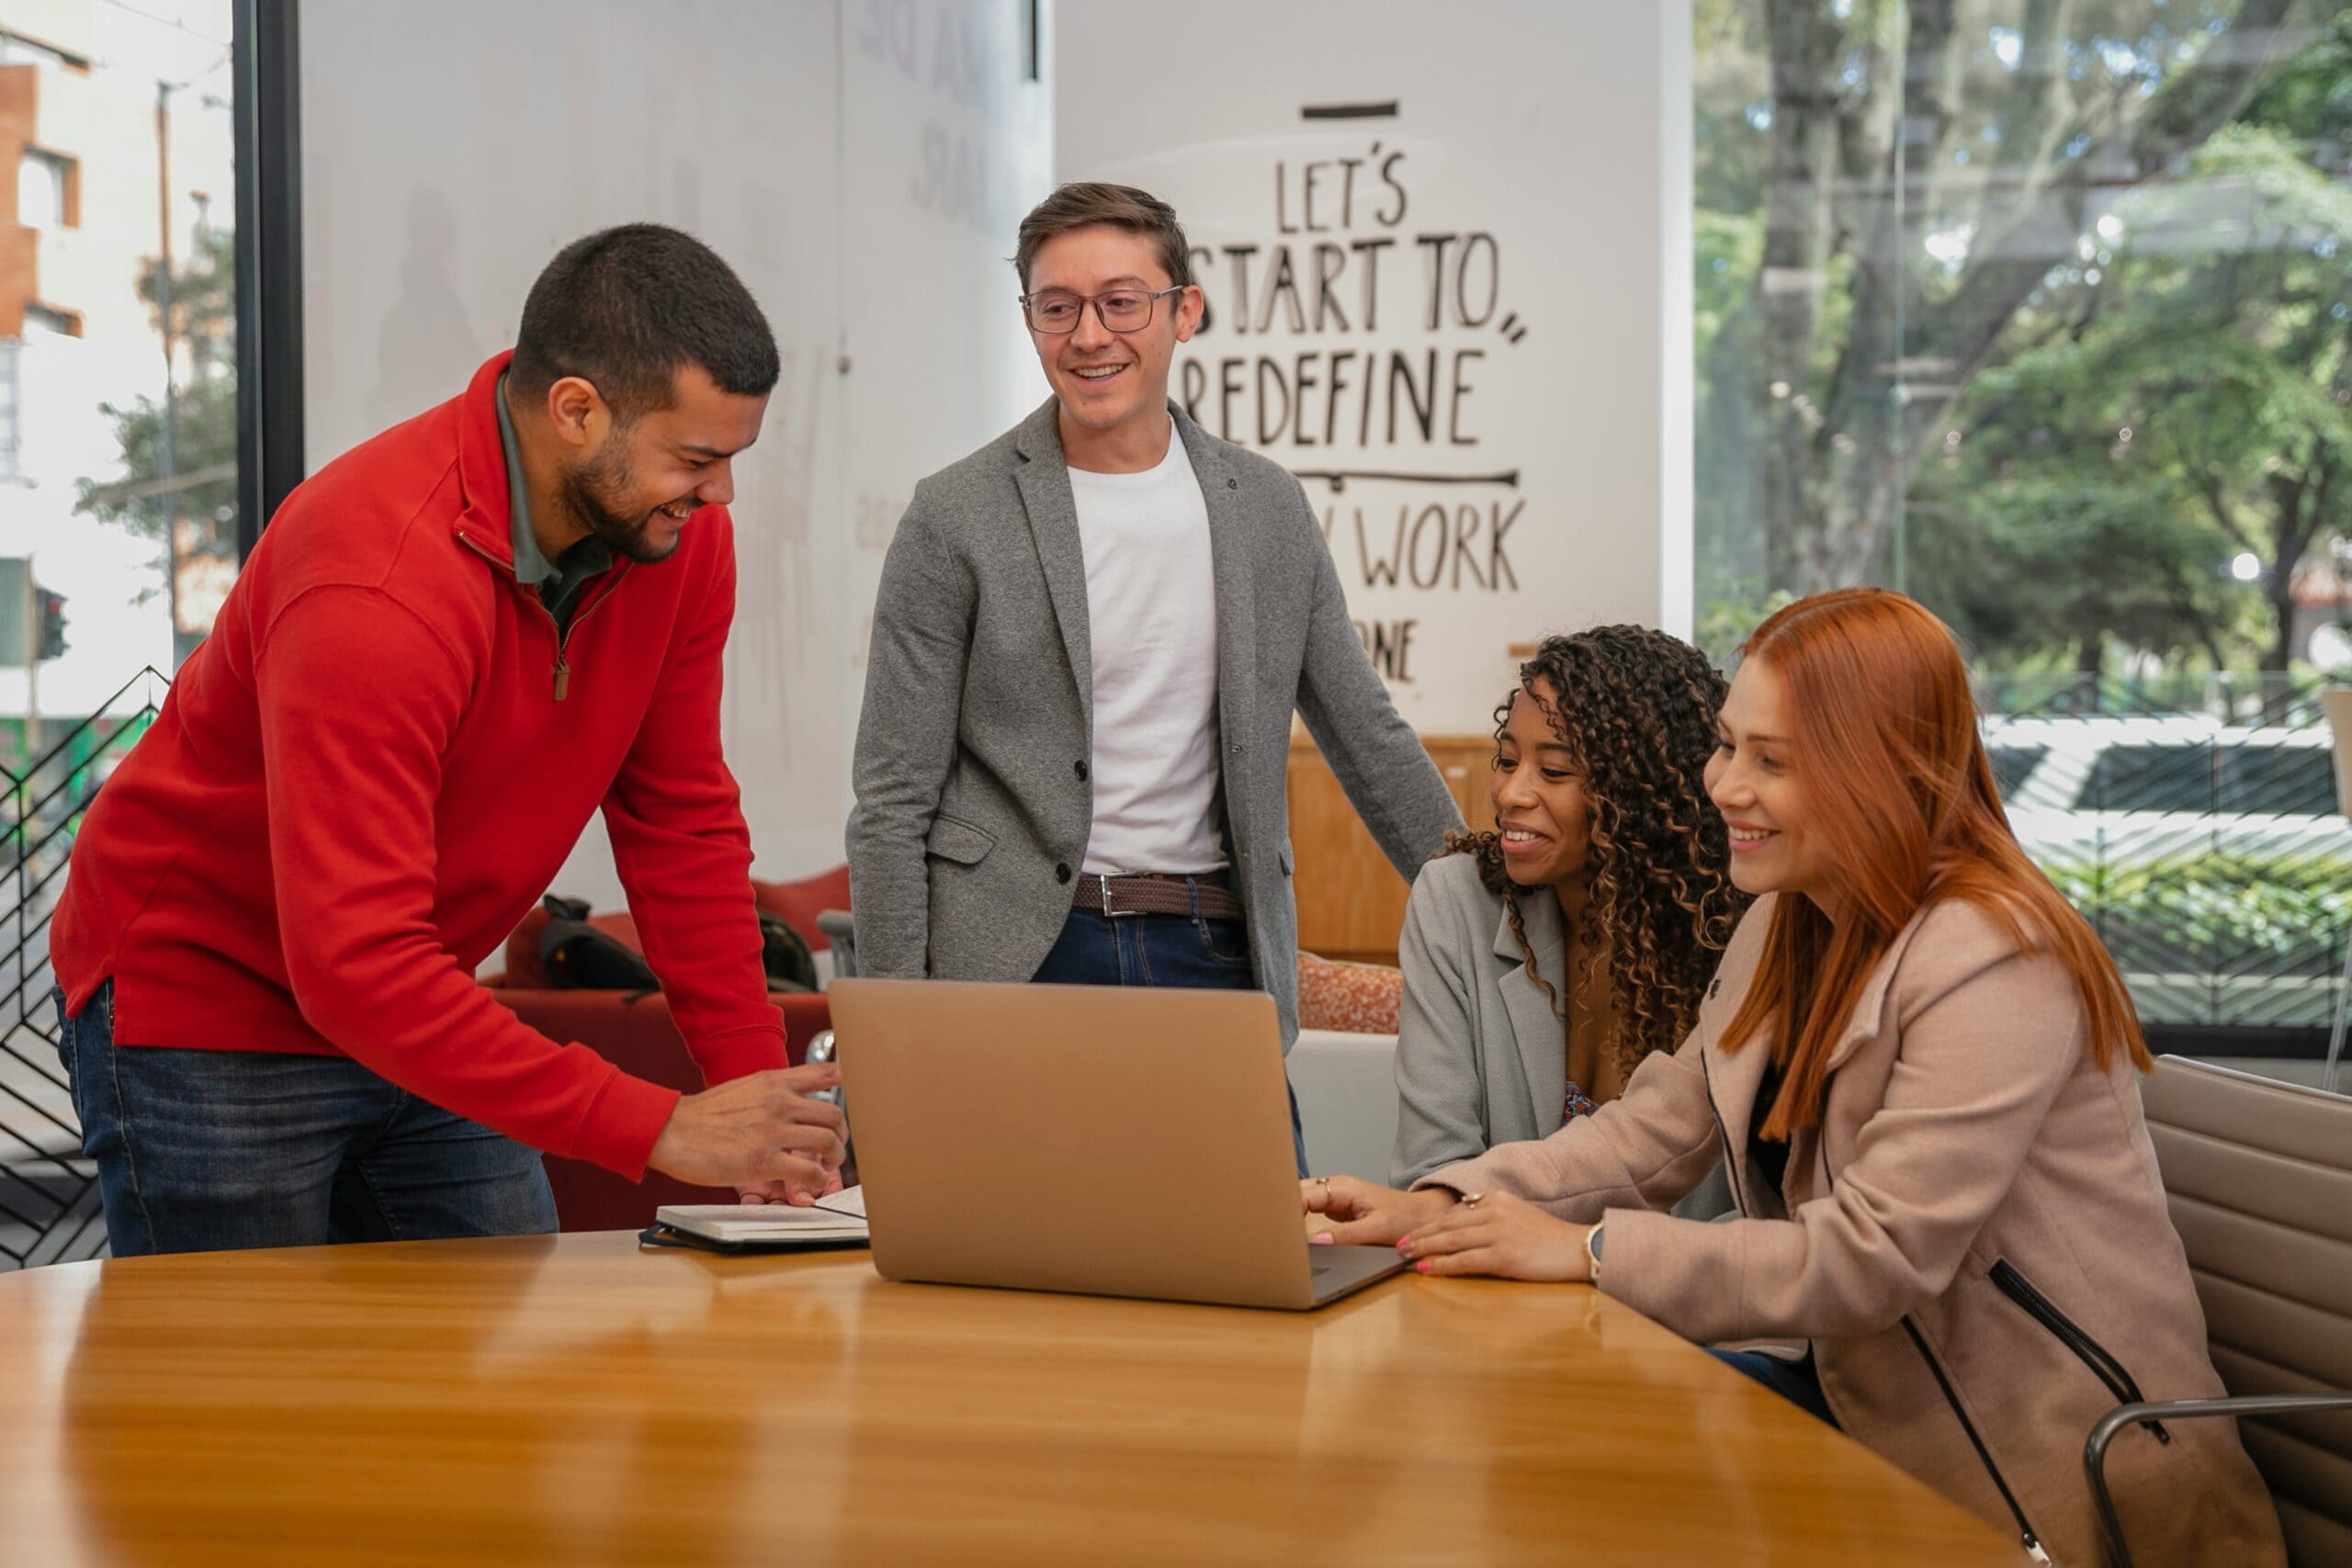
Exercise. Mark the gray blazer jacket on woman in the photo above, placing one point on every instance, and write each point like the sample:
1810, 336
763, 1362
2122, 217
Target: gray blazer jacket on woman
1476, 1035
1973, 1237
1481, 1057
971, 774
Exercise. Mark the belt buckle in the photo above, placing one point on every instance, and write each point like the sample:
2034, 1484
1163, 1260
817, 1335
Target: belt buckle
1102, 879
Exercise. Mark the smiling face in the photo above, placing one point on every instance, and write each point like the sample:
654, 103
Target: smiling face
1112, 386
1754, 783
639, 486
1540, 803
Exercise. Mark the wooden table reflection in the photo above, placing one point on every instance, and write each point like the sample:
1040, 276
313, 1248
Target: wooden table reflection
571, 1400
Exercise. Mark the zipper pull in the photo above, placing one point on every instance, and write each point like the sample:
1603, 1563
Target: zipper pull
2033, 1550
562, 678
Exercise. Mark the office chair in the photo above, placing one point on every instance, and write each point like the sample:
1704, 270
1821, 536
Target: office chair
2257, 1176
2336, 702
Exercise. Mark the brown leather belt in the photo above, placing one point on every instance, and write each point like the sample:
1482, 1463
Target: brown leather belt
1158, 893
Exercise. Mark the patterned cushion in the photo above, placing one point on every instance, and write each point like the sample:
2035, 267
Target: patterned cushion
1354, 998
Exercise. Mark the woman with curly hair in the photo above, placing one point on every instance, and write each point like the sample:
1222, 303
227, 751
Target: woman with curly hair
1544, 958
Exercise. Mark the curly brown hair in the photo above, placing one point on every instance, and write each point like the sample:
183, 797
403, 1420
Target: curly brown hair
1637, 714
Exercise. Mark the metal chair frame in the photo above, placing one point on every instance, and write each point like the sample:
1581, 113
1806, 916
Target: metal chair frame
2122, 1416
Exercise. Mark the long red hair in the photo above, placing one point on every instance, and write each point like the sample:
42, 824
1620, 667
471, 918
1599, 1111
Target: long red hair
1885, 739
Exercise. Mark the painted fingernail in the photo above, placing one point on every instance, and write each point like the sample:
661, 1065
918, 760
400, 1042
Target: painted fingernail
1404, 1243
1422, 1267
1322, 1238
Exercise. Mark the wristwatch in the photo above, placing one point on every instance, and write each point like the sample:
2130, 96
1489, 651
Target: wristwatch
1592, 1252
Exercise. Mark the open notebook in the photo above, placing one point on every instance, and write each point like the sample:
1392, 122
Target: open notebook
838, 1220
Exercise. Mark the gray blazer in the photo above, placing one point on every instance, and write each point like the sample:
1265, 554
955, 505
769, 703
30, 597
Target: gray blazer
1476, 1038
973, 805
1475, 1034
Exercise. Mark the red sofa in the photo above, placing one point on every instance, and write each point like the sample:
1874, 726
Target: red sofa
635, 1031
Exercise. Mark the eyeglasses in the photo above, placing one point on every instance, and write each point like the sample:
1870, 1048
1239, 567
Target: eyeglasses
1056, 311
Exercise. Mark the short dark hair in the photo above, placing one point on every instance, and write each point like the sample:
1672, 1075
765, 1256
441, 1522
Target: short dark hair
626, 309
1085, 202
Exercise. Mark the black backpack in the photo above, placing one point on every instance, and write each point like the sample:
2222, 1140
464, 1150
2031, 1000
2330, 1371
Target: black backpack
784, 953
578, 956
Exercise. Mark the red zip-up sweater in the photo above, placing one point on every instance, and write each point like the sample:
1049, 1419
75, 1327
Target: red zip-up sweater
377, 762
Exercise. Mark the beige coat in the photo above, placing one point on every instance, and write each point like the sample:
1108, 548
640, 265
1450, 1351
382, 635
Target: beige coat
1975, 1241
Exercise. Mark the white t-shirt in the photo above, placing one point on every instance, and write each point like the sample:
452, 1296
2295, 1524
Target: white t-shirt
1152, 613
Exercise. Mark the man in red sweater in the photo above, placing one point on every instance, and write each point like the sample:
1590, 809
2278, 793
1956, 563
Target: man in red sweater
452, 646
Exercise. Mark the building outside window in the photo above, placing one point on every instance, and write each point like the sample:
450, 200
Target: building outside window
19, 50
10, 399
42, 321
45, 190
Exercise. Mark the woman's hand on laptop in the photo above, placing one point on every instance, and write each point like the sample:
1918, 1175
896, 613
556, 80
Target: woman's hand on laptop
760, 1132
1368, 1214
1500, 1235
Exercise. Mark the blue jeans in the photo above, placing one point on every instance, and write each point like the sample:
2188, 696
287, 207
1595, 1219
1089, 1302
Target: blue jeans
202, 1151
1159, 950
1796, 1382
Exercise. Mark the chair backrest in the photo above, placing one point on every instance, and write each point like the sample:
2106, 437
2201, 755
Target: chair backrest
2336, 702
2258, 1177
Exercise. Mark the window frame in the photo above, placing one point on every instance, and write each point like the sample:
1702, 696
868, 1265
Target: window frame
66, 175
266, 48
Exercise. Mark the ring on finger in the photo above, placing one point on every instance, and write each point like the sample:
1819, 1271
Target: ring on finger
1471, 1199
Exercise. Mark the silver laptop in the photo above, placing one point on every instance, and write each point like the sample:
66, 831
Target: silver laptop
1103, 1139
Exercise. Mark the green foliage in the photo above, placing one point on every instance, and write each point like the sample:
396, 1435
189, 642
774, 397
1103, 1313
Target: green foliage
2094, 487
2253, 914
1725, 619
2309, 98
202, 430
204, 435
1727, 249
1904, 388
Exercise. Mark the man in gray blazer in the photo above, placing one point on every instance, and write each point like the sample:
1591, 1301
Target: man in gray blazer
1089, 641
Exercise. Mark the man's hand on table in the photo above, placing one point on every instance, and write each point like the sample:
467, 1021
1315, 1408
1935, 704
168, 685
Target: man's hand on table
761, 1134
785, 1193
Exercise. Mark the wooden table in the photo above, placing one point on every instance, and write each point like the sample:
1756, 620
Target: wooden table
570, 1400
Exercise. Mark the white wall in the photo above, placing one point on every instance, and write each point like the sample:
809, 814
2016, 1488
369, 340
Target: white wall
1552, 143
950, 144
860, 163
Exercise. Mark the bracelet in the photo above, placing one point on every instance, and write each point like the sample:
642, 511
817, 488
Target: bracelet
1592, 1252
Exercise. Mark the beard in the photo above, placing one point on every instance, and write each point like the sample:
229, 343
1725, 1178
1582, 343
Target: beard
598, 489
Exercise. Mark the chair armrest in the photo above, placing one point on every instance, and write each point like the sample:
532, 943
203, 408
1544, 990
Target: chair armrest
2122, 1416
840, 929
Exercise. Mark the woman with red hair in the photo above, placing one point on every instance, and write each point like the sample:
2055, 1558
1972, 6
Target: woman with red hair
1917, 1062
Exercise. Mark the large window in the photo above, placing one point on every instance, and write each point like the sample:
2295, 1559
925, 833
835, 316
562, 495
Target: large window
2043, 315
118, 466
